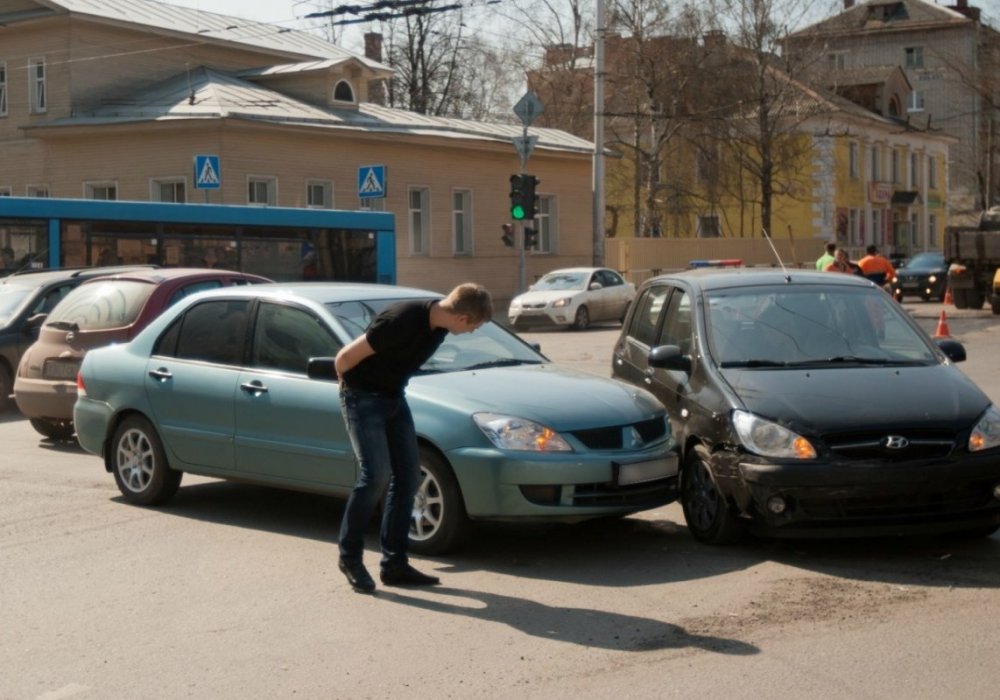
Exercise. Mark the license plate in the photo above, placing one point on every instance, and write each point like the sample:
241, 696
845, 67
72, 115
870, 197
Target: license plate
910, 285
641, 472
61, 369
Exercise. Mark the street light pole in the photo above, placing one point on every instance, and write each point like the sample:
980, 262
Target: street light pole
598, 169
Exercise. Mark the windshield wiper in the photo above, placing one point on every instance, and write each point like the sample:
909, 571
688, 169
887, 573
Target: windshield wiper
503, 362
753, 363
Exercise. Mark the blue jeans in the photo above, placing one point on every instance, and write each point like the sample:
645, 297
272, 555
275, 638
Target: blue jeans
385, 444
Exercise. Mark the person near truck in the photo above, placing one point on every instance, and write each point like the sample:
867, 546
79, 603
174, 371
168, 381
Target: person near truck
827, 257
876, 267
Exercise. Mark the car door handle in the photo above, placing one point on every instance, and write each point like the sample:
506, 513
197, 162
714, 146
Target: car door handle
255, 387
162, 374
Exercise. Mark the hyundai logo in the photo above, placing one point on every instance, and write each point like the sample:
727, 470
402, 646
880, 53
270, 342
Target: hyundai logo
895, 442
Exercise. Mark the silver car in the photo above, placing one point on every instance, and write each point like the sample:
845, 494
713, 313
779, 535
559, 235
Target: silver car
572, 297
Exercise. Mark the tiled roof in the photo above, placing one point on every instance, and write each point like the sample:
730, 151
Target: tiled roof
210, 27
880, 14
207, 94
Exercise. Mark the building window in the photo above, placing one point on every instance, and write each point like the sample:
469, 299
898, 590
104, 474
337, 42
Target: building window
547, 224
852, 159
837, 60
100, 190
914, 231
932, 231
262, 191
876, 237
932, 172
168, 190
36, 84
914, 56
343, 92
3, 89
895, 167
914, 171
916, 101
319, 194
876, 163
708, 226
854, 235
418, 216
5, 192
461, 221
37, 190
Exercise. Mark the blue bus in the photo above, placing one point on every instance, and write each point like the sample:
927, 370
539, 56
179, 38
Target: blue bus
282, 243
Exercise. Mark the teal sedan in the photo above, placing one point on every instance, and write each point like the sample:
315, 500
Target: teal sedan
237, 383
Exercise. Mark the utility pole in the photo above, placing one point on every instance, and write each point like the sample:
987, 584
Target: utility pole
598, 169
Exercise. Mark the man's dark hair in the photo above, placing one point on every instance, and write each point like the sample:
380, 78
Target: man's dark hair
831, 247
872, 249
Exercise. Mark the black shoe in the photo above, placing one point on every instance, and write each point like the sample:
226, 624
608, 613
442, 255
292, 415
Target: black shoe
406, 575
358, 576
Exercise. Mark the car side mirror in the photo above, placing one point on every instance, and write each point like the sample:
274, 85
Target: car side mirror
596, 285
321, 368
34, 322
952, 349
669, 357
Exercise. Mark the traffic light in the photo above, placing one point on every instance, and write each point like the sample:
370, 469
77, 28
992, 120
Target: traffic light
522, 197
508, 235
528, 184
530, 238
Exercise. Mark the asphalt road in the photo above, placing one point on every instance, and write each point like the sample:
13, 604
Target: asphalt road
232, 591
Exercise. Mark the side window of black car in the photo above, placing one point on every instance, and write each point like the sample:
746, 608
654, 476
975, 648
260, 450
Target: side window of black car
285, 337
212, 331
677, 322
647, 315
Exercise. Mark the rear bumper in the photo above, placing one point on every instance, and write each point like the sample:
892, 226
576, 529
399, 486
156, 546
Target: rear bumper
45, 398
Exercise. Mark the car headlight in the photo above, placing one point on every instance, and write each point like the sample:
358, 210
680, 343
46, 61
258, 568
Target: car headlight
986, 434
770, 439
932, 279
565, 301
513, 433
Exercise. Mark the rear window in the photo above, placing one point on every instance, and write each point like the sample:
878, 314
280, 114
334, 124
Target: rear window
99, 305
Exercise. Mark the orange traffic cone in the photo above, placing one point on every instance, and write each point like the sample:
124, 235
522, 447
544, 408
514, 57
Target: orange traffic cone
942, 327
947, 295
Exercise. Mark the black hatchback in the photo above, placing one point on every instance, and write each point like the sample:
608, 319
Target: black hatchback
925, 275
809, 403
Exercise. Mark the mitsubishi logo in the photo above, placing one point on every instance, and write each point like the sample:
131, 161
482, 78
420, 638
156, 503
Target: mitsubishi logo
633, 438
895, 442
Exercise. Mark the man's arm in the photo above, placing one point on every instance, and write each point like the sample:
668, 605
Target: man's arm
352, 354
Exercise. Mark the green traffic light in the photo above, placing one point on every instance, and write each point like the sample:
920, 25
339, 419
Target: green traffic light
517, 212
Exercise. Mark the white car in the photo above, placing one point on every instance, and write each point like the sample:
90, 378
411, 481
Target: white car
574, 297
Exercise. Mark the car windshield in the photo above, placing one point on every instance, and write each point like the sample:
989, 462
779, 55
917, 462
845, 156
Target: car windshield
100, 305
11, 299
789, 326
926, 261
491, 345
561, 280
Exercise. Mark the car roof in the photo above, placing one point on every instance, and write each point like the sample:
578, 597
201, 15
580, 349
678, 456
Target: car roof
574, 269
42, 276
324, 292
708, 278
163, 274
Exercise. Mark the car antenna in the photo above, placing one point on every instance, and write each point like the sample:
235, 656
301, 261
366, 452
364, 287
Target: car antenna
767, 237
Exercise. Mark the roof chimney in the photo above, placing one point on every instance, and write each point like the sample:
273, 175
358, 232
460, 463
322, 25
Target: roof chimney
848, 4
373, 50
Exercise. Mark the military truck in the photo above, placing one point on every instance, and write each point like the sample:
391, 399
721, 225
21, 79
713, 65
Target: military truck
973, 255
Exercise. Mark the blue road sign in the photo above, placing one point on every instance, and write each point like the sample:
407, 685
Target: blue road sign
207, 173
371, 181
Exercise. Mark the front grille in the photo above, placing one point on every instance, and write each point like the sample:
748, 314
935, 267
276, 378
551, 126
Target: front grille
639, 495
874, 445
967, 499
614, 437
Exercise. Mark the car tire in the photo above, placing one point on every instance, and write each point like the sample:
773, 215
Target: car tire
995, 307
53, 429
439, 522
6, 389
138, 461
706, 511
582, 319
959, 299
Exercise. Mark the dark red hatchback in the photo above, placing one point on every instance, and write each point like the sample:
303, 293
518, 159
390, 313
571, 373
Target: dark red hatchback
99, 312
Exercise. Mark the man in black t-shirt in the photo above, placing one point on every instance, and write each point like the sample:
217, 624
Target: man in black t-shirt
374, 369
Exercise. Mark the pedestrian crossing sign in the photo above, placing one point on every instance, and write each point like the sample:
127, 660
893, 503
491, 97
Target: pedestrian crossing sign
371, 181
207, 174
